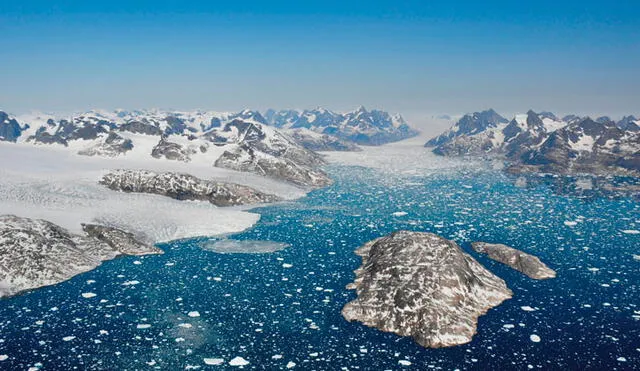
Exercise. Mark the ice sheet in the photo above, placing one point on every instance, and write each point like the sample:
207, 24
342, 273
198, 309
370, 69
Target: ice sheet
62, 187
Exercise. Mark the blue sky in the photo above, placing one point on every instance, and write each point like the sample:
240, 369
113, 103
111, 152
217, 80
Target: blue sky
414, 57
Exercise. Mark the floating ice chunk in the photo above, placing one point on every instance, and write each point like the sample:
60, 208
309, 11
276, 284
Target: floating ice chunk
527, 308
287, 265
130, 283
243, 246
238, 361
143, 326
185, 325
3, 357
508, 325
213, 361
194, 313
291, 364
68, 338
621, 359
137, 262
276, 356
400, 213
535, 338
631, 231
404, 362
88, 295
569, 223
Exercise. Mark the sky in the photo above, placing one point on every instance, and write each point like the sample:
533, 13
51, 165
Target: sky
418, 58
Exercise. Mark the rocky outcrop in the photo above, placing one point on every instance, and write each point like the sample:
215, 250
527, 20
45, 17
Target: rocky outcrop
516, 259
184, 187
422, 286
36, 253
170, 151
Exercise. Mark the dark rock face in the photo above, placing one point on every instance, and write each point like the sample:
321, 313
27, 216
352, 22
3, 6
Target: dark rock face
123, 242
516, 259
184, 187
469, 124
423, 286
629, 123
78, 128
170, 151
36, 253
10, 129
139, 127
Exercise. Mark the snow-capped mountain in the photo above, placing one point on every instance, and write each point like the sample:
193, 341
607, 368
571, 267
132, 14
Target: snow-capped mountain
543, 142
470, 124
238, 141
361, 126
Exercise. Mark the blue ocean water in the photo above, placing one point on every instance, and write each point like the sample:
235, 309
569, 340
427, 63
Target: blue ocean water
282, 308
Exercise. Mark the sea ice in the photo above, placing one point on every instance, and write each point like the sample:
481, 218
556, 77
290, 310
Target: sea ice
213, 361
243, 246
238, 361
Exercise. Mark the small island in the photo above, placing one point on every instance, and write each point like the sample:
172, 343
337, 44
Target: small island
516, 259
422, 286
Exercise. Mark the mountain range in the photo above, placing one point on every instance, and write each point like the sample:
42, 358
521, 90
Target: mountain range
361, 126
542, 142
278, 144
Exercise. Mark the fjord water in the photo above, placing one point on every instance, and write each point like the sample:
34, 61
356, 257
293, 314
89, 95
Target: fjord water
282, 308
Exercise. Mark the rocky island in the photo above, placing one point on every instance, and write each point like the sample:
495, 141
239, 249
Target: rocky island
422, 286
516, 259
36, 253
184, 187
